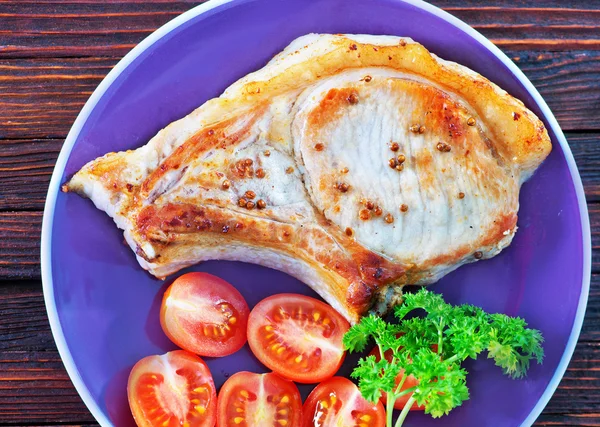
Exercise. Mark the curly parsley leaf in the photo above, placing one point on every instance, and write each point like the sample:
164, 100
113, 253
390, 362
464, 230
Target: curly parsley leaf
512, 345
432, 346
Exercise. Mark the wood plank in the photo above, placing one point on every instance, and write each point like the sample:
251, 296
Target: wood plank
83, 28
568, 81
20, 245
569, 420
586, 151
25, 170
24, 324
532, 26
67, 29
34, 386
40, 98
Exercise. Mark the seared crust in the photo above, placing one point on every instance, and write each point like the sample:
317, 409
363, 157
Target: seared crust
257, 175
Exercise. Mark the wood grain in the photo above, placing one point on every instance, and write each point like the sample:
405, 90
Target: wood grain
83, 28
20, 245
41, 97
586, 152
25, 170
66, 29
564, 420
35, 388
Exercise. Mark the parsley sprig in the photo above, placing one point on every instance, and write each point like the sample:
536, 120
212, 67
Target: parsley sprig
432, 348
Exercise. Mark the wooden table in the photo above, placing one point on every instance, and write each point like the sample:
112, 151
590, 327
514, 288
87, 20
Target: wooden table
54, 53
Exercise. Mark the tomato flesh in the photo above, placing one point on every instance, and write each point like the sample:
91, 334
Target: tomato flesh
259, 400
204, 314
298, 337
338, 402
174, 389
409, 382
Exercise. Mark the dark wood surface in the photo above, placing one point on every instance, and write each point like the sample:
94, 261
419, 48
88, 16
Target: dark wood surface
54, 53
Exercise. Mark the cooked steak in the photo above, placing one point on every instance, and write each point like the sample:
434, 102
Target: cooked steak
355, 163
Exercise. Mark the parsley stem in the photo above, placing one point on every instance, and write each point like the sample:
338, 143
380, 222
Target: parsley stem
400, 384
389, 409
440, 330
452, 359
404, 412
403, 392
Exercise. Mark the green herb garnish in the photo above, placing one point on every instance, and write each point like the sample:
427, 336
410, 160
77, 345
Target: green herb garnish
432, 347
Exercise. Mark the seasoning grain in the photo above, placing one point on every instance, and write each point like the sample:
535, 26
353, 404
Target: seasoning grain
443, 147
342, 187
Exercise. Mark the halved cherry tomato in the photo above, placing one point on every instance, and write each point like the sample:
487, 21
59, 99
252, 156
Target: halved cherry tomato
205, 315
338, 402
409, 382
259, 400
298, 337
174, 389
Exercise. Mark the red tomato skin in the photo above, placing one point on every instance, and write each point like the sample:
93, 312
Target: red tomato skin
231, 400
316, 414
202, 339
142, 376
273, 347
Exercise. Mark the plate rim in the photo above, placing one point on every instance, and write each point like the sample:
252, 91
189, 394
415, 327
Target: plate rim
82, 117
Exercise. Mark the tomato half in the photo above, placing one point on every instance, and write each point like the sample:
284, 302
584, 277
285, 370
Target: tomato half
409, 382
259, 400
174, 389
338, 402
204, 314
298, 337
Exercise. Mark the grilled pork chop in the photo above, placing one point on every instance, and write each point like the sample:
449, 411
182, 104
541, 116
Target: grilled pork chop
355, 163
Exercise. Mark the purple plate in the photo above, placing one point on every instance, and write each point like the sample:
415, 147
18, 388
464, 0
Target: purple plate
103, 307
